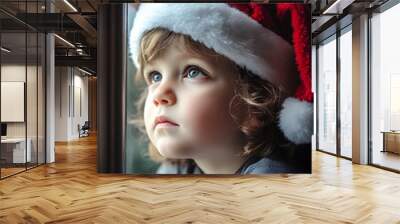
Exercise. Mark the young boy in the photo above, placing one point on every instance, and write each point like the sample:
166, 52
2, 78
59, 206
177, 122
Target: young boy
216, 82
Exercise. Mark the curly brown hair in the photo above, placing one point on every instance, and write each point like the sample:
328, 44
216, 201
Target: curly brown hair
261, 99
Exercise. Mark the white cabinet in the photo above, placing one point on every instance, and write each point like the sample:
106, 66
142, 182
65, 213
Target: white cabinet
17, 145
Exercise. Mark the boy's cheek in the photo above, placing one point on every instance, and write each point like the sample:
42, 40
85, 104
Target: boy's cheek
147, 116
209, 119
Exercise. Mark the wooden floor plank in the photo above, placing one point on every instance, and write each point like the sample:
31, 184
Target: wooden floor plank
71, 191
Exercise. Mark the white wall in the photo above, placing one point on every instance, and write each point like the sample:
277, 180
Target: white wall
61, 103
71, 94
81, 83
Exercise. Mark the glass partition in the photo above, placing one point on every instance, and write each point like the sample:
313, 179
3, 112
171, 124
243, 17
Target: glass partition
14, 153
22, 90
31, 99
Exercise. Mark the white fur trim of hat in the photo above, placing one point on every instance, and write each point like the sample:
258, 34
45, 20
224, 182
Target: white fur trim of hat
296, 120
256, 48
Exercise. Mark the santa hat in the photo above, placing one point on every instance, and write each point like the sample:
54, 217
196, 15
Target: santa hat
271, 41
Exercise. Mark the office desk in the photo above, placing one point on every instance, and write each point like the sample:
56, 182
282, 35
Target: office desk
15, 148
391, 141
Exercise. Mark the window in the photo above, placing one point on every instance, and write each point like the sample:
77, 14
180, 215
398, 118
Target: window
385, 88
327, 96
346, 92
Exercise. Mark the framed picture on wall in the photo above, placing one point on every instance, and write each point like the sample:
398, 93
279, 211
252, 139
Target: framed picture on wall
218, 88
12, 101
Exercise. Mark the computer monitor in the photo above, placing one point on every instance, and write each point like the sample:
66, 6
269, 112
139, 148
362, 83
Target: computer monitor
3, 129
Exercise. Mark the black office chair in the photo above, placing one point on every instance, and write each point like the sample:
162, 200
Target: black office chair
84, 130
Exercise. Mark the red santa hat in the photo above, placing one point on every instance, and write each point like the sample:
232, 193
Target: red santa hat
271, 41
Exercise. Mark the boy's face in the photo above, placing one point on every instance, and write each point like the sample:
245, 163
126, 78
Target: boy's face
187, 107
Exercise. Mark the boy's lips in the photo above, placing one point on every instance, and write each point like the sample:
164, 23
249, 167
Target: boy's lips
165, 121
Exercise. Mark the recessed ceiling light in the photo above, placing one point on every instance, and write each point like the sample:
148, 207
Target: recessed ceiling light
86, 72
337, 7
5, 50
70, 5
64, 40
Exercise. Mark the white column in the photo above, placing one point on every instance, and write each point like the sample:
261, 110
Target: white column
313, 89
360, 90
50, 99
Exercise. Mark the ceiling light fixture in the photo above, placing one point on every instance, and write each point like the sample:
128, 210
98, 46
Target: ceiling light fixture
86, 72
70, 5
64, 40
337, 7
5, 50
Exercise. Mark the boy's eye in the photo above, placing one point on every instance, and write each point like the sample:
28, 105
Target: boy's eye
193, 72
155, 77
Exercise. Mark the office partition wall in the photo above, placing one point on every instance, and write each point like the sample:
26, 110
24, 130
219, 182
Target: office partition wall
22, 87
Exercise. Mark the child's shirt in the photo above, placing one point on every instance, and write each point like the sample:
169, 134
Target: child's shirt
298, 161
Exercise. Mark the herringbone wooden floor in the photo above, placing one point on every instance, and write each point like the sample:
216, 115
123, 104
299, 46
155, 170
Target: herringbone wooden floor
70, 191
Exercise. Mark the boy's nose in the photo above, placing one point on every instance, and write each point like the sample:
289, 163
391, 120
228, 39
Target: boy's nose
164, 97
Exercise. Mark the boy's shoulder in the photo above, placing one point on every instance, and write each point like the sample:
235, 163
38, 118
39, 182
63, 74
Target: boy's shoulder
296, 160
267, 165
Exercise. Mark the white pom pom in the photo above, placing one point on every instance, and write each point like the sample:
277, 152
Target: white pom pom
296, 120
